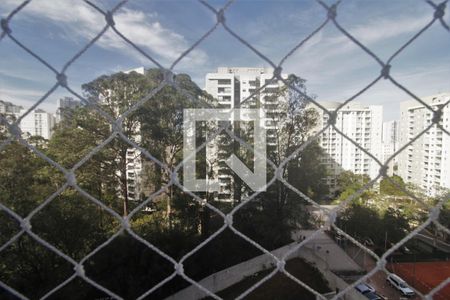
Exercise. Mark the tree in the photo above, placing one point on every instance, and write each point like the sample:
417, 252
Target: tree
295, 120
395, 225
349, 183
76, 137
382, 227
444, 216
115, 94
74, 224
161, 120
25, 182
21, 174
279, 210
360, 222
156, 125
307, 172
388, 188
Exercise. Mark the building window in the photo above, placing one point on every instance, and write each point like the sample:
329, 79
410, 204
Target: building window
224, 81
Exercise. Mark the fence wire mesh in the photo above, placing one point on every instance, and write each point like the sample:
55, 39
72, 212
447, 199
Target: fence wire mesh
61, 80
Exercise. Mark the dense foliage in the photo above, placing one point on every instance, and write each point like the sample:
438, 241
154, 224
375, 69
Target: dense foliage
367, 224
176, 223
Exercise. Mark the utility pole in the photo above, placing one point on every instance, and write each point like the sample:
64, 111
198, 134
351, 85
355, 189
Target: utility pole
385, 241
364, 256
414, 264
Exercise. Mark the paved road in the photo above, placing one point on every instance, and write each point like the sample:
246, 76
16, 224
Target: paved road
378, 280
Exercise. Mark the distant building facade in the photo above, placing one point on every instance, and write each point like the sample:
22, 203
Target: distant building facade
241, 87
134, 160
10, 112
362, 124
426, 162
38, 123
390, 144
65, 106
8, 108
139, 70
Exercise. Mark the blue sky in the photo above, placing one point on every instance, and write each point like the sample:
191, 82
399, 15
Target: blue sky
334, 67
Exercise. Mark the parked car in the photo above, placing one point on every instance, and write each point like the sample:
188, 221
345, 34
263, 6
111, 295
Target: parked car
372, 296
369, 242
406, 250
364, 288
400, 285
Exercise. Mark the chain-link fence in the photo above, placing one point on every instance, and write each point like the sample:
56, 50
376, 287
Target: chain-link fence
61, 81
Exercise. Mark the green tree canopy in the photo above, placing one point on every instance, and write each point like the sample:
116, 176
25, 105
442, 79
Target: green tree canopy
388, 188
279, 210
349, 183
382, 227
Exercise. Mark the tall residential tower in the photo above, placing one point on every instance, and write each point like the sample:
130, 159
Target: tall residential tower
38, 123
241, 87
362, 124
390, 144
426, 162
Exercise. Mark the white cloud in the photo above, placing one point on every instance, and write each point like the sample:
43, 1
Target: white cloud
326, 49
14, 93
81, 22
383, 29
28, 74
422, 81
336, 68
26, 97
330, 59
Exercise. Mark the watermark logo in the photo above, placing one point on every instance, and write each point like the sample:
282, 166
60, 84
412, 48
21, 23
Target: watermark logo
255, 179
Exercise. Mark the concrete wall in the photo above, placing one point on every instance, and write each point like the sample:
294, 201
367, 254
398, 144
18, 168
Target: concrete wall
334, 281
326, 249
226, 278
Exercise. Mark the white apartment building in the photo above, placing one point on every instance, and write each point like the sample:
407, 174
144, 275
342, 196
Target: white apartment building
134, 159
64, 105
390, 132
134, 174
361, 123
426, 162
9, 111
390, 144
8, 108
232, 87
38, 123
